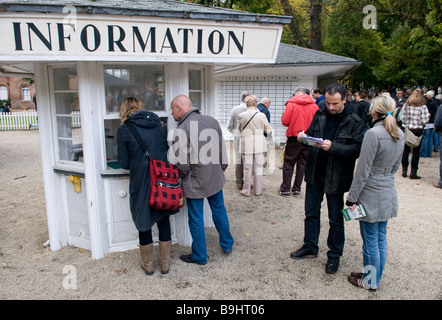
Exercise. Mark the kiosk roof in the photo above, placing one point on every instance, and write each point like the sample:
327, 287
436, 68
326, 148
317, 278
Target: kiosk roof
156, 8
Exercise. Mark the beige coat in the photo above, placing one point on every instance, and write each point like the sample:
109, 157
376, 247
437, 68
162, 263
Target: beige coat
252, 135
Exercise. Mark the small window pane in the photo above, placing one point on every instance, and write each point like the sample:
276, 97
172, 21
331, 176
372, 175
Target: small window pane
67, 110
194, 80
65, 79
26, 94
3, 93
195, 97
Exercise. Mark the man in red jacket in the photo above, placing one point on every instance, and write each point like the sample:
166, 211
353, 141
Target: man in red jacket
297, 116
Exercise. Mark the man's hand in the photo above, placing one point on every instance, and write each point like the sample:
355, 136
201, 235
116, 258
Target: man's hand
325, 145
301, 135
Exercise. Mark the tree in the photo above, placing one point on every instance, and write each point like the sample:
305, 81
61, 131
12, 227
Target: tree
405, 47
315, 20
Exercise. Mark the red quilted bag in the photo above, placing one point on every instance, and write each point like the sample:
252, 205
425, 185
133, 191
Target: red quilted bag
165, 190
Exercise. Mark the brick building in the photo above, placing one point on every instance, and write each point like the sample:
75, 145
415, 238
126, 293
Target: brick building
18, 90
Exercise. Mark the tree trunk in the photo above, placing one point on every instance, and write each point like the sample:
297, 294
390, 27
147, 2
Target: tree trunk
294, 28
315, 19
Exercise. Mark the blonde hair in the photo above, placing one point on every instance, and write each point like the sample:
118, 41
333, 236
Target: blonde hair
251, 101
416, 99
384, 106
129, 106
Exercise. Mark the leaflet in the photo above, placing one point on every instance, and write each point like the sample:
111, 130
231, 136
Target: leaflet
312, 141
357, 213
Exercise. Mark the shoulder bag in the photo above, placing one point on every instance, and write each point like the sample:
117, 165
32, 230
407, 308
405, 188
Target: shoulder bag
165, 190
411, 139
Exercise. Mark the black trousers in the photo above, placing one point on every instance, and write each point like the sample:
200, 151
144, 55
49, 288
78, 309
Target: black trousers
415, 153
314, 195
145, 237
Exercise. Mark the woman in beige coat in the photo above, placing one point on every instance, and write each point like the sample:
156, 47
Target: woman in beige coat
252, 124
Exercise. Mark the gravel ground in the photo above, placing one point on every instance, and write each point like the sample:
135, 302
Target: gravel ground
266, 229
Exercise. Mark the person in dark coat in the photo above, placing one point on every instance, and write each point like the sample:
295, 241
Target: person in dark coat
132, 157
329, 171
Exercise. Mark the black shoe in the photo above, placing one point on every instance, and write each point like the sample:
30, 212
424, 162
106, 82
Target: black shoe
187, 258
285, 194
332, 265
303, 252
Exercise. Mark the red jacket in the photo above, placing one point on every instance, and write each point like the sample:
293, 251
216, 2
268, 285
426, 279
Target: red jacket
298, 114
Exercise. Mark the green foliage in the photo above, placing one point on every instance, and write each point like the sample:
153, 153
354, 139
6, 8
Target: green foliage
404, 49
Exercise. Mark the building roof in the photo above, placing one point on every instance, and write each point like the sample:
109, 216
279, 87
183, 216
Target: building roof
153, 8
294, 55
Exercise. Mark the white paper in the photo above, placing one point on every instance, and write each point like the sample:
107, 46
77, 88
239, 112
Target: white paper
312, 141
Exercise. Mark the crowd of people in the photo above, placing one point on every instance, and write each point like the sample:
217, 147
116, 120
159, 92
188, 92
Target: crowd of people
343, 125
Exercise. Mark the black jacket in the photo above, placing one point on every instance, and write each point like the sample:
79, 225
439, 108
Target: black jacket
132, 157
344, 150
438, 119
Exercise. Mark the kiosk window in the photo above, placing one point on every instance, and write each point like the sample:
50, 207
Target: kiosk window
196, 88
67, 113
146, 83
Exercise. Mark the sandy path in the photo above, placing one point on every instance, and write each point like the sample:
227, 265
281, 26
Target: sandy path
266, 229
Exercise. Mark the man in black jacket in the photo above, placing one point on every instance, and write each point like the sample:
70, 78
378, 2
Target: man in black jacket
438, 129
329, 171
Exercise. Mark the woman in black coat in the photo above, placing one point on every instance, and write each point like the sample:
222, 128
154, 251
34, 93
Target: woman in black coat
132, 157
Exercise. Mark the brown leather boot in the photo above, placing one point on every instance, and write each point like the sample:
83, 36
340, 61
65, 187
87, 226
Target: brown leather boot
165, 256
147, 258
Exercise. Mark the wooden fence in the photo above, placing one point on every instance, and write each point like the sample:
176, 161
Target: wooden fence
28, 120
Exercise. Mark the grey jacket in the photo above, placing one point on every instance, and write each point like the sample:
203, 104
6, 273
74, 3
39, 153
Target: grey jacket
373, 181
200, 154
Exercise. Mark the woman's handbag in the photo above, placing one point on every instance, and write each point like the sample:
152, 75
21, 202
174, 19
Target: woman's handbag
411, 139
165, 190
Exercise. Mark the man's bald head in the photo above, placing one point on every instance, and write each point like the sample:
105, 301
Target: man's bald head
180, 105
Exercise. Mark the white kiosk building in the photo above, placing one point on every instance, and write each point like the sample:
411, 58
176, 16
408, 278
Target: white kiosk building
88, 55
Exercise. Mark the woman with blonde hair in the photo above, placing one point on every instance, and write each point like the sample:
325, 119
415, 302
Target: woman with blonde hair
414, 116
373, 188
131, 156
252, 124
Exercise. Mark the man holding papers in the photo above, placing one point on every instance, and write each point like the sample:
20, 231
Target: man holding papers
329, 171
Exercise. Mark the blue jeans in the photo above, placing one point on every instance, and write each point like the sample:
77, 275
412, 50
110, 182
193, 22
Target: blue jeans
427, 143
196, 225
436, 142
374, 250
314, 195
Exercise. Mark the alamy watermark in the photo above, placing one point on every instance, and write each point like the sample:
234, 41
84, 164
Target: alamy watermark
370, 20
208, 147
70, 280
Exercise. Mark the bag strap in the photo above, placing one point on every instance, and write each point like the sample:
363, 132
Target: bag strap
250, 120
137, 137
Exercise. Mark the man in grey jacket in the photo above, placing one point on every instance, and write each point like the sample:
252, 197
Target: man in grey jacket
199, 152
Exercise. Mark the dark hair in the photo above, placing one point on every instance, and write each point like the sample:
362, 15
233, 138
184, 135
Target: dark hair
337, 88
316, 90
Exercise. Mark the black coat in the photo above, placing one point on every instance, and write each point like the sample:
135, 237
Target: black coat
131, 156
345, 149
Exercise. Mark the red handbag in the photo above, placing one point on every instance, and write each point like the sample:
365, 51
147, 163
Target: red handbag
165, 190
